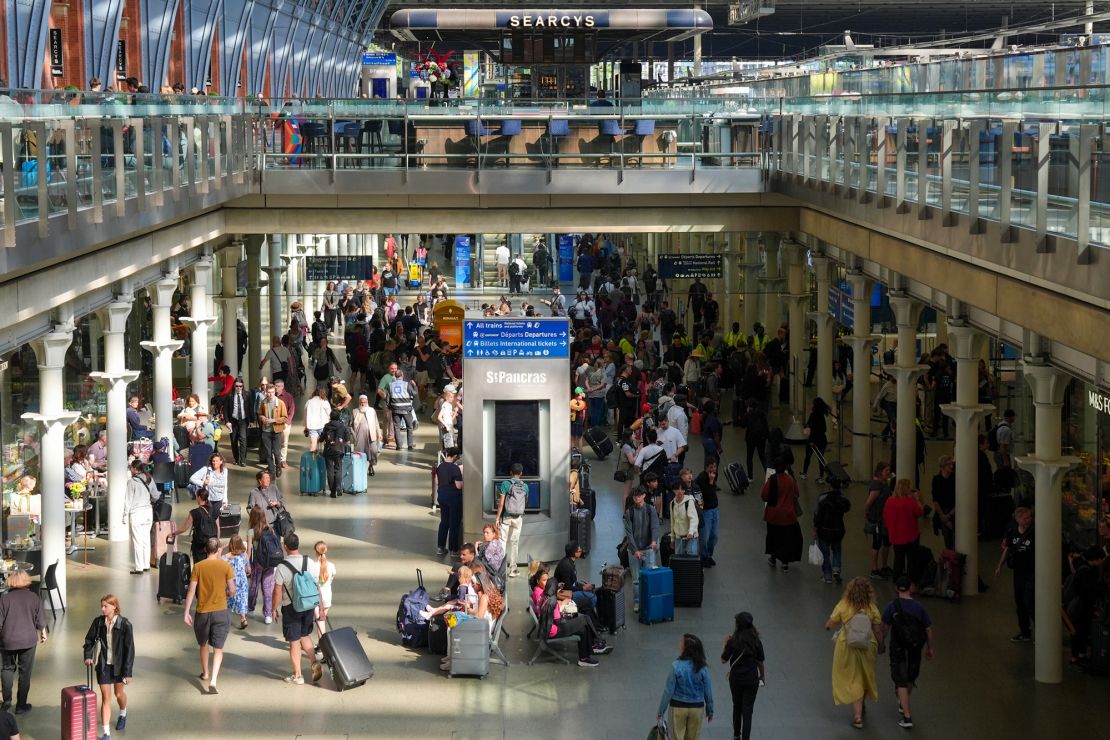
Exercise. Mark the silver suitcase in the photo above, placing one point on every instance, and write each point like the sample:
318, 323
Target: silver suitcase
468, 646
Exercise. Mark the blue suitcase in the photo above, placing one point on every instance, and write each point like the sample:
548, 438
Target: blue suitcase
656, 595
355, 466
313, 474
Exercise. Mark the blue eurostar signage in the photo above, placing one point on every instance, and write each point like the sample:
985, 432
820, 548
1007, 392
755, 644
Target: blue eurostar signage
547, 338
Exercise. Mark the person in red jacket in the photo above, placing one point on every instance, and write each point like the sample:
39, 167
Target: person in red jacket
224, 383
784, 534
901, 515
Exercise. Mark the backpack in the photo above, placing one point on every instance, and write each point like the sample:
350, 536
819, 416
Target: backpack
908, 629
204, 527
305, 594
517, 498
875, 513
514, 268
334, 443
857, 631
268, 554
613, 396
412, 627
992, 437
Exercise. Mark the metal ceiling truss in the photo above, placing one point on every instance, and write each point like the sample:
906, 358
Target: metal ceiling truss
102, 24
234, 25
27, 23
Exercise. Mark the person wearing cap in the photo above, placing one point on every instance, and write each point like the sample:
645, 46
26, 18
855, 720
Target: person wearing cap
909, 629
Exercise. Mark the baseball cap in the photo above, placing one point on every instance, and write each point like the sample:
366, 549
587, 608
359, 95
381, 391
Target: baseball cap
903, 584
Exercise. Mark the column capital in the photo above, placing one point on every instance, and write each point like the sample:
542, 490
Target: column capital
907, 310
162, 290
966, 416
821, 318
1051, 470
1047, 383
965, 340
156, 348
862, 343
231, 303
861, 286
197, 323
49, 421
113, 317
50, 349
821, 265
906, 374
126, 376
275, 269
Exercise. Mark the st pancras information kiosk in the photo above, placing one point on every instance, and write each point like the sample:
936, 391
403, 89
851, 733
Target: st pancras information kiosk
516, 410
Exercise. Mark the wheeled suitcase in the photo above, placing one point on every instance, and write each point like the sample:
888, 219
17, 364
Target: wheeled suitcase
950, 574
413, 627
688, 580
580, 522
599, 442
575, 458
610, 607
656, 595
313, 473
346, 658
230, 519
79, 714
612, 578
737, 478
835, 473
469, 648
181, 472
159, 534
355, 467
589, 501
174, 570
437, 635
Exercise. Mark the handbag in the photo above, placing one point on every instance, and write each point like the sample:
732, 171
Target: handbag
816, 557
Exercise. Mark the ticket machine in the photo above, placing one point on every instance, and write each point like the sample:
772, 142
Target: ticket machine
516, 410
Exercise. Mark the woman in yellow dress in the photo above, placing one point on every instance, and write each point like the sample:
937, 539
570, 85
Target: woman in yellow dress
853, 668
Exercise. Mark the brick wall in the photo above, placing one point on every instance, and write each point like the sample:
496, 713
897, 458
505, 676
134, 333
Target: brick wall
176, 68
68, 16
130, 30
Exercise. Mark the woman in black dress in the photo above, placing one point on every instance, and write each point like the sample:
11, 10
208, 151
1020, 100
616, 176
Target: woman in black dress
110, 650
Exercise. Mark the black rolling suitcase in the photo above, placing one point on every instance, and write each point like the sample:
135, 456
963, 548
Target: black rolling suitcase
610, 607
599, 442
580, 522
688, 580
229, 521
589, 501
181, 472
174, 570
666, 550
737, 478
346, 658
437, 635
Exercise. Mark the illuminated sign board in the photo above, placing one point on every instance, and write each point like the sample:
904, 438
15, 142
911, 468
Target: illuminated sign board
552, 20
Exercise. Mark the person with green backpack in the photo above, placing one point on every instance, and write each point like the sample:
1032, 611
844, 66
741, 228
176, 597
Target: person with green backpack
512, 500
296, 591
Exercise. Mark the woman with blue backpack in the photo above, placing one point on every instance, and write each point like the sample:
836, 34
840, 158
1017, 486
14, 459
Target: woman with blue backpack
264, 553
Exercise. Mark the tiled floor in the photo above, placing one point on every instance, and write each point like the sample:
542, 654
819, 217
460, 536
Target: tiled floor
979, 685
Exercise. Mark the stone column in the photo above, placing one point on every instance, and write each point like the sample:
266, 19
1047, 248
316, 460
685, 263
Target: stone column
1048, 466
906, 371
772, 308
823, 269
162, 347
967, 412
750, 266
861, 342
273, 274
728, 268
796, 299
230, 301
253, 248
50, 351
199, 322
116, 376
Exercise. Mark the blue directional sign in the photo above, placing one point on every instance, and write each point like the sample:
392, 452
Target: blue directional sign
516, 338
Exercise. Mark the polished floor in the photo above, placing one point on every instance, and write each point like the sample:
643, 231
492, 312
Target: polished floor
979, 685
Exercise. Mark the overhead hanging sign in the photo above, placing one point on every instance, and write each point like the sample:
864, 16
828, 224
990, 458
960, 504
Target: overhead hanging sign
338, 268
690, 266
566, 258
56, 62
379, 58
516, 338
462, 261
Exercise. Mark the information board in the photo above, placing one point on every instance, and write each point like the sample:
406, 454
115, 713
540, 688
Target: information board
690, 266
462, 261
337, 268
566, 258
523, 338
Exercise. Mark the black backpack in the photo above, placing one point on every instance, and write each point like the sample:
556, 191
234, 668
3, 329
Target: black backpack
268, 554
613, 396
335, 444
514, 269
204, 526
992, 437
908, 630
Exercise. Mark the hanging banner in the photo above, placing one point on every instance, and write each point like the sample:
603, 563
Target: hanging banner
566, 258
470, 74
57, 68
462, 261
121, 60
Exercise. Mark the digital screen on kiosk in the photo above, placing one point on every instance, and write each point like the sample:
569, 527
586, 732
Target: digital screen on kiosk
517, 440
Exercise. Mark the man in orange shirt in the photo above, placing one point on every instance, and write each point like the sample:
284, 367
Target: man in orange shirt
212, 582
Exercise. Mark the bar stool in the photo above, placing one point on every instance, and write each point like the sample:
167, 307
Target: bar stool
348, 135
474, 133
642, 129
557, 128
510, 127
610, 129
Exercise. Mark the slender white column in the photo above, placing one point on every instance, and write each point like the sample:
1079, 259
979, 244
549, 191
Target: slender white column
750, 266
116, 376
1048, 466
162, 347
199, 322
50, 350
967, 412
823, 267
274, 274
907, 314
861, 342
772, 303
253, 248
728, 267
796, 299
230, 301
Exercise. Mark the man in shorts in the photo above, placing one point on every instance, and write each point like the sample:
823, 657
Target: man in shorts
212, 582
295, 626
910, 629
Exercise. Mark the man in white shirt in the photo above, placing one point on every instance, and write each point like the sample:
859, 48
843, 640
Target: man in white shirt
98, 452
676, 415
502, 255
583, 311
652, 456
317, 412
671, 439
